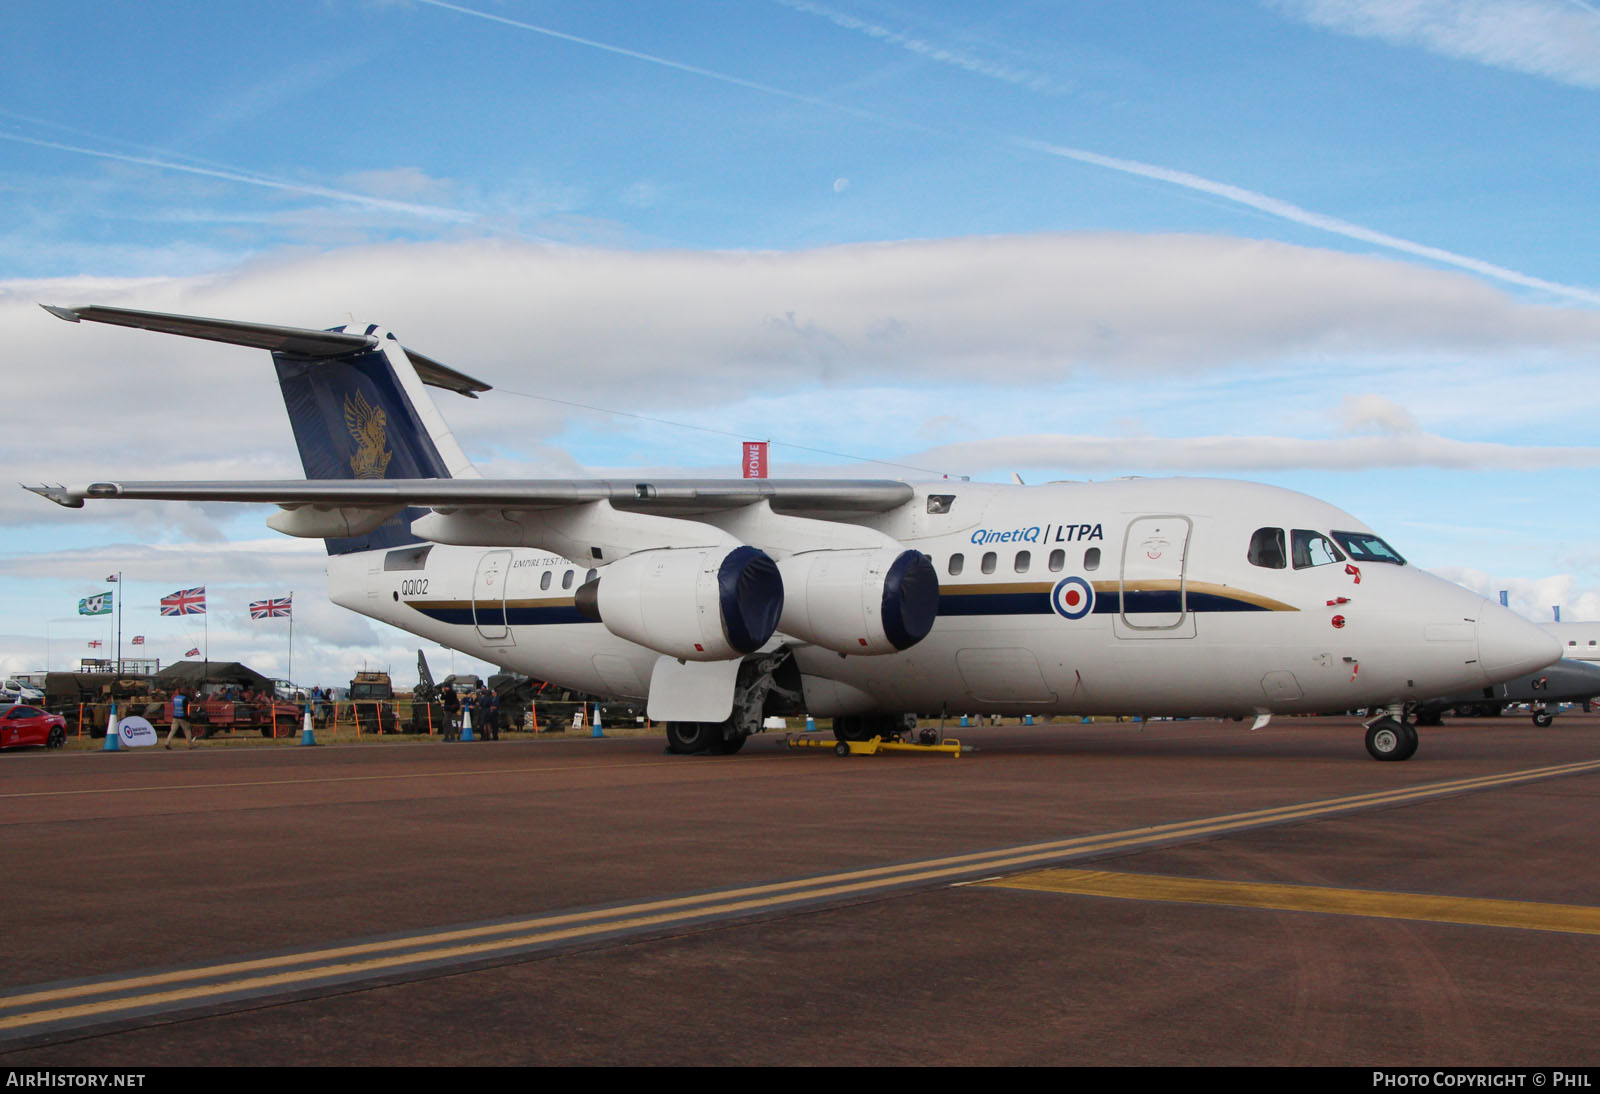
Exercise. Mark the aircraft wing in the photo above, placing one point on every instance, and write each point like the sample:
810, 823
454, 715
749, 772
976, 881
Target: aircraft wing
676, 497
595, 519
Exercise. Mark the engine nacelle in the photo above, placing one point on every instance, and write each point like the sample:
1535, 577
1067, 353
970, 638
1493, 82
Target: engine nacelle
695, 603
866, 601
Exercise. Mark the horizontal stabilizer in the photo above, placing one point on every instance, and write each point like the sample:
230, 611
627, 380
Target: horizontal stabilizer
297, 341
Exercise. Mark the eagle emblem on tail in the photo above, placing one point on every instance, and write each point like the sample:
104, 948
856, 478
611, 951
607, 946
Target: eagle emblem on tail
366, 424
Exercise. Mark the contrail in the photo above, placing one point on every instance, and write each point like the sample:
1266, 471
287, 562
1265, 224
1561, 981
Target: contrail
932, 51
693, 70
1261, 202
427, 212
1287, 211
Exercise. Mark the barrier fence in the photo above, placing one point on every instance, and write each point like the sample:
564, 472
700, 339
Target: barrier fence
332, 718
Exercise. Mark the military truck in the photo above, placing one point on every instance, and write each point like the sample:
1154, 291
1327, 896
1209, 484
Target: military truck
372, 699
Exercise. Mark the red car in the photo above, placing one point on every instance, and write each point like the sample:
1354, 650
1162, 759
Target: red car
22, 725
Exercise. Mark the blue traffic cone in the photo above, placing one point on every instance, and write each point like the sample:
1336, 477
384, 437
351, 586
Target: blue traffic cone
963, 721
466, 723
1027, 719
307, 734
595, 730
112, 744
811, 724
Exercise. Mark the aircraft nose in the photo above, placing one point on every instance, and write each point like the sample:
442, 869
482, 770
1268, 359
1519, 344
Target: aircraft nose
1510, 646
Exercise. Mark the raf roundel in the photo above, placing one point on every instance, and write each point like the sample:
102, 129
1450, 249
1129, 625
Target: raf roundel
1072, 598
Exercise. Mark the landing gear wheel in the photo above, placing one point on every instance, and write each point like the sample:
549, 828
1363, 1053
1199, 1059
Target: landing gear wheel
732, 743
694, 738
851, 727
1391, 739
1543, 719
57, 737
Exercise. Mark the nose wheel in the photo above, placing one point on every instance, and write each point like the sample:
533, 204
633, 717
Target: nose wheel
1391, 738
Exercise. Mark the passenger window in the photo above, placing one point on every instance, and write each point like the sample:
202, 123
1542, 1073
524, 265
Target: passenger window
988, 562
544, 581
1024, 560
1058, 560
957, 562
1091, 559
1313, 549
1266, 549
566, 580
588, 577
940, 503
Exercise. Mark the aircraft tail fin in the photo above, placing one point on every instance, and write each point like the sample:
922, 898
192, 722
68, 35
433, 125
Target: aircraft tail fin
356, 401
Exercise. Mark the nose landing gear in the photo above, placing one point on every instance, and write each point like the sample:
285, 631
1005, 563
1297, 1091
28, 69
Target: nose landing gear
1391, 737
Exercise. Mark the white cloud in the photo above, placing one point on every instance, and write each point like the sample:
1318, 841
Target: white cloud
1370, 412
1533, 598
680, 335
1258, 454
1547, 38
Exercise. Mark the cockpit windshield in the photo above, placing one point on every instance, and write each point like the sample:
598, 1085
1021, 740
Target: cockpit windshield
1313, 549
1366, 547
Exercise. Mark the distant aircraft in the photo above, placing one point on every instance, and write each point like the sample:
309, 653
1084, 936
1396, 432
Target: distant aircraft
1567, 681
866, 601
1579, 641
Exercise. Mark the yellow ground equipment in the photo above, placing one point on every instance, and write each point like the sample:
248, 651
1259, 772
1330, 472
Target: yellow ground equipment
872, 746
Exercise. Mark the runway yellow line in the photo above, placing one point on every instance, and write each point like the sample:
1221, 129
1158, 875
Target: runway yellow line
1470, 911
370, 958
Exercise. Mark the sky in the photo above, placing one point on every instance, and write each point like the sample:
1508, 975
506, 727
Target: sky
1349, 247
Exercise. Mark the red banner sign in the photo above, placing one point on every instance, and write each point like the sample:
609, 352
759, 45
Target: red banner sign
755, 459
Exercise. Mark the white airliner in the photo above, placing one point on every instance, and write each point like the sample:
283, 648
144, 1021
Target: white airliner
867, 601
1579, 641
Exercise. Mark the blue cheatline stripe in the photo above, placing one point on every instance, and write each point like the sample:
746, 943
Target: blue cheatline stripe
1106, 603
950, 604
489, 615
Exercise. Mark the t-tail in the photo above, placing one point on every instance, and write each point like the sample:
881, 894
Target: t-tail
357, 405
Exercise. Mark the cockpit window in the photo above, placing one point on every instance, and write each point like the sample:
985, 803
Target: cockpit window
1366, 547
1266, 549
1313, 549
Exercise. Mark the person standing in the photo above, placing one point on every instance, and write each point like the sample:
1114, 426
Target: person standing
180, 717
488, 707
452, 712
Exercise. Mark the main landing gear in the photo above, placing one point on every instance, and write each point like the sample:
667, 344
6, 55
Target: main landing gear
767, 684
703, 738
1391, 737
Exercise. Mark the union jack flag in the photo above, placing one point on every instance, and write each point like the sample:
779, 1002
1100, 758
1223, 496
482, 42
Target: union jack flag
271, 609
138, 640
185, 602
194, 652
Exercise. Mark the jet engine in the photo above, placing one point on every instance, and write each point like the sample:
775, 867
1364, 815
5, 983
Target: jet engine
869, 601
694, 603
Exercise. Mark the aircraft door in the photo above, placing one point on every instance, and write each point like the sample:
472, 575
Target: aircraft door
489, 597
1153, 593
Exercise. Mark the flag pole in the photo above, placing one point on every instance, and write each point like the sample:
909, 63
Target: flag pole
118, 580
291, 637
